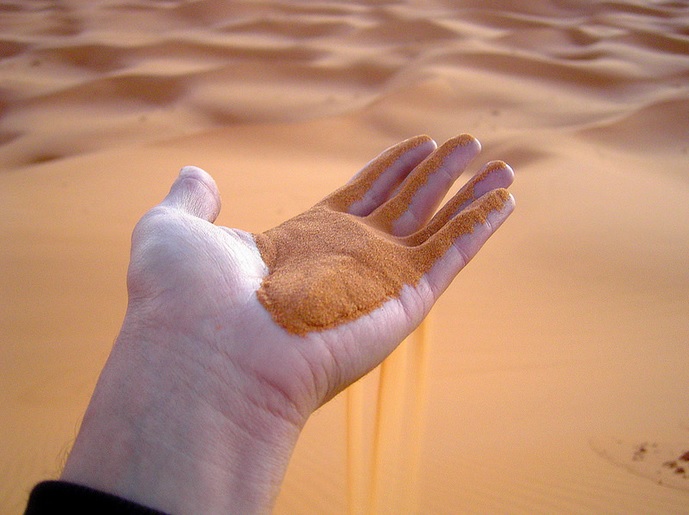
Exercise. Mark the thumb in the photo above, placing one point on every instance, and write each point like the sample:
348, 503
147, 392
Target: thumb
195, 193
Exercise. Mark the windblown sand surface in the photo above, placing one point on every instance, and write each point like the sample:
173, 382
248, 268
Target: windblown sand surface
555, 370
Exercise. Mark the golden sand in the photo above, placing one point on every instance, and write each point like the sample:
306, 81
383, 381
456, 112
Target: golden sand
327, 266
549, 362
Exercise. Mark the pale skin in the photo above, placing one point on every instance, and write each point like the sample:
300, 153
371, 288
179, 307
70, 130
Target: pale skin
203, 397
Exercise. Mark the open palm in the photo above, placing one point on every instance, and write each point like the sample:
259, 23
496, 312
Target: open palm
215, 283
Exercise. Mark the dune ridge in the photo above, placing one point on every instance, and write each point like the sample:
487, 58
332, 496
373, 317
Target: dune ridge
288, 62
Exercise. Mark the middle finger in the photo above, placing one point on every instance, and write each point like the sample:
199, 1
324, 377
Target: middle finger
419, 195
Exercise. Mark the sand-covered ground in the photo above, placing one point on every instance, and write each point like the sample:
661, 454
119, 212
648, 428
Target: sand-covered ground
552, 377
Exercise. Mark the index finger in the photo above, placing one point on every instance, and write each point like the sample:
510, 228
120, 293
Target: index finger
376, 182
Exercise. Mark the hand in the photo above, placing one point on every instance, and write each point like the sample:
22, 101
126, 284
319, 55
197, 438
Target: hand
231, 340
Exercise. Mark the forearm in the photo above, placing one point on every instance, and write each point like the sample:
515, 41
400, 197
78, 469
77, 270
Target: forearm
150, 437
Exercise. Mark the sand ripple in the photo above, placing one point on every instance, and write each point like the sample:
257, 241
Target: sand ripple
209, 63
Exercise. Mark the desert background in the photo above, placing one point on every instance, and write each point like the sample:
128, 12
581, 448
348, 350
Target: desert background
553, 375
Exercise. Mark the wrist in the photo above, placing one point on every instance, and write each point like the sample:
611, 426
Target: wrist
179, 442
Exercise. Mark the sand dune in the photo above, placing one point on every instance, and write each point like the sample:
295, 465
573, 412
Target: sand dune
554, 358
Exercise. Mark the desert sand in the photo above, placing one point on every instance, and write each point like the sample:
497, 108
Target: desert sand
552, 375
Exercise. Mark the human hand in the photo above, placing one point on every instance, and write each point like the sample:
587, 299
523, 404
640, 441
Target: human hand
358, 272
251, 333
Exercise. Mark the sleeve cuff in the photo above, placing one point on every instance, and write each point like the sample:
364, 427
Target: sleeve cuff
60, 497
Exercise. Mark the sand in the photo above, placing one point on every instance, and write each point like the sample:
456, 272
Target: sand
346, 256
554, 357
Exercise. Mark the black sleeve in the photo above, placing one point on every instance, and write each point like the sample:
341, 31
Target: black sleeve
63, 498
